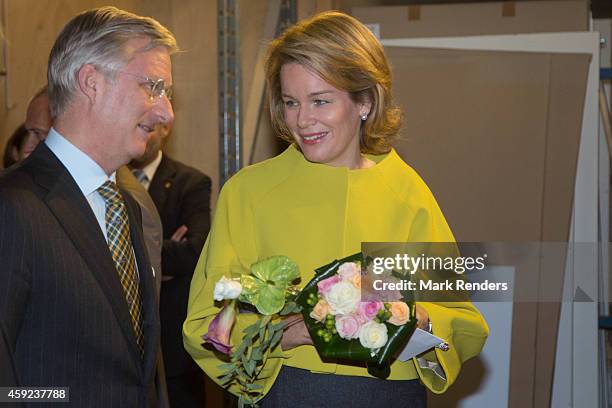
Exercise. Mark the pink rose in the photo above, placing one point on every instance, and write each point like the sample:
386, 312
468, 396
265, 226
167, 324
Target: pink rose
326, 284
400, 313
349, 271
348, 326
369, 309
320, 311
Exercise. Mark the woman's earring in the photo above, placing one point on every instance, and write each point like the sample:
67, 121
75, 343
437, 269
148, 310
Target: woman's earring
364, 116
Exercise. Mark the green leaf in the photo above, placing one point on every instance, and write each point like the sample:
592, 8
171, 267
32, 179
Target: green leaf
276, 269
251, 330
277, 336
227, 367
249, 367
250, 288
255, 387
278, 326
256, 354
264, 321
287, 308
241, 348
226, 378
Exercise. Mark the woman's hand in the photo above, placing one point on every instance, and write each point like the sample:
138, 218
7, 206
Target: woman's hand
295, 333
422, 318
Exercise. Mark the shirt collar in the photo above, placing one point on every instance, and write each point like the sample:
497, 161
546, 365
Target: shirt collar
150, 169
84, 170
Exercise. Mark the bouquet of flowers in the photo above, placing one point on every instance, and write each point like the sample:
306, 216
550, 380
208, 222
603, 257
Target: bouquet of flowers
342, 326
268, 288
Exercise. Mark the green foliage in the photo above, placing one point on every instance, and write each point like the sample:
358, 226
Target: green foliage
268, 288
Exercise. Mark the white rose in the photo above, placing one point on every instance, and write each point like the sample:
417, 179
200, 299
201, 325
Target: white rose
373, 335
227, 289
343, 298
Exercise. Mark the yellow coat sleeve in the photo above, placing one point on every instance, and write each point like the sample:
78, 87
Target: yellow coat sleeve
460, 324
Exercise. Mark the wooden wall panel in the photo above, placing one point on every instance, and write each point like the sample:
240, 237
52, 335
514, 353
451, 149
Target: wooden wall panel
32, 26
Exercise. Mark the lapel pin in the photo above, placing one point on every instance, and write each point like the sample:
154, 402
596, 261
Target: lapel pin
167, 184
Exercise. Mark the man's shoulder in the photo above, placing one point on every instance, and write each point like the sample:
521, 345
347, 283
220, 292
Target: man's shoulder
16, 180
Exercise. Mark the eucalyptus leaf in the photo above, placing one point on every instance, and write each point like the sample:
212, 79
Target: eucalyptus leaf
226, 378
278, 326
227, 366
255, 387
277, 336
256, 354
251, 330
249, 367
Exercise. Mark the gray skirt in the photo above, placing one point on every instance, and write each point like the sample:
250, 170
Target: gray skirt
302, 389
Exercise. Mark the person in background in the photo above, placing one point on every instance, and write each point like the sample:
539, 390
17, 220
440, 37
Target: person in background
38, 118
17, 147
340, 183
182, 196
76, 281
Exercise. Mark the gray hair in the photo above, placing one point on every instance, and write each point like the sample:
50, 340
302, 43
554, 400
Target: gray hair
98, 37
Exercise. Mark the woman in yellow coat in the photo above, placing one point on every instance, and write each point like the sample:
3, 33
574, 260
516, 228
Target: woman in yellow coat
339, 184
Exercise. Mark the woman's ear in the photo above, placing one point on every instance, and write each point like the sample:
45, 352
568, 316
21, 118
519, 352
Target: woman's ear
365, 107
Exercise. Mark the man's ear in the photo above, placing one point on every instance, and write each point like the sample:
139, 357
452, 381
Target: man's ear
89, 78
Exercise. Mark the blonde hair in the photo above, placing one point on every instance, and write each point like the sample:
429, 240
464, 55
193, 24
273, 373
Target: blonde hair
98, 36
344, 53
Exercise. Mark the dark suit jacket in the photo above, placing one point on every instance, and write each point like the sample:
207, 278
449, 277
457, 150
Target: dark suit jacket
8, 374
64, 307
182, 196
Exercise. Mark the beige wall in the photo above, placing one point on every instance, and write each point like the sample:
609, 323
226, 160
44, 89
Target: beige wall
31, 28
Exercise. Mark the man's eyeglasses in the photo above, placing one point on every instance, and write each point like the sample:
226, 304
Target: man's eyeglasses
156, 87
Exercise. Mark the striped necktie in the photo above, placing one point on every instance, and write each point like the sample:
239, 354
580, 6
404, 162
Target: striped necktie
141, 176
120, 245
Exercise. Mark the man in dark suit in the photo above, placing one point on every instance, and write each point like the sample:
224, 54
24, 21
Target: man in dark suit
76, 287
182, 196
38, 122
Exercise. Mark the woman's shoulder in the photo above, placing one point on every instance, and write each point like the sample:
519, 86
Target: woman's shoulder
261, 177
404, 180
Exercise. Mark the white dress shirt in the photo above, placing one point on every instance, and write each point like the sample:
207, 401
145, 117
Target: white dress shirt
149, 171
84, 170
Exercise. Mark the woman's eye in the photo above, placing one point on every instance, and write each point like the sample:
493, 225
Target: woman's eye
290, 103
320, 102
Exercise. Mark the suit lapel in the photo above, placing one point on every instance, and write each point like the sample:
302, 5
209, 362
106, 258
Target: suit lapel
70, 207
162, 182
150, 322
